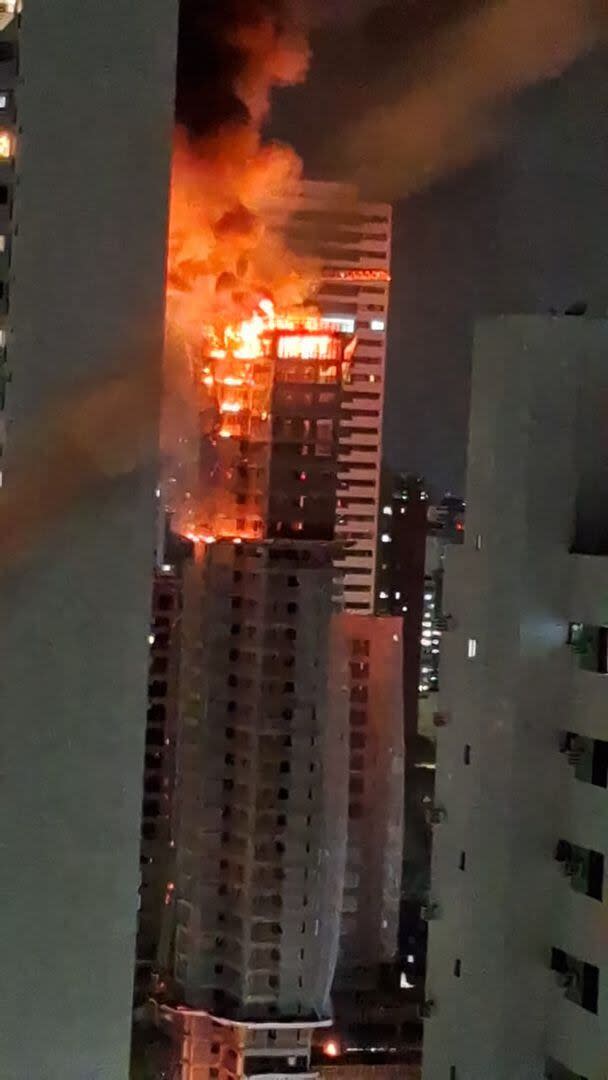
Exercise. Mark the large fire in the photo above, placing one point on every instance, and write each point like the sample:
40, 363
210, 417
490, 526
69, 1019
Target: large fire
233, 368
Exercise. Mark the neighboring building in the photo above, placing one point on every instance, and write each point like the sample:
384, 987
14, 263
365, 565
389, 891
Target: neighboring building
402, 534
372, 885
83, 221
352, 241
518, 965
262, 742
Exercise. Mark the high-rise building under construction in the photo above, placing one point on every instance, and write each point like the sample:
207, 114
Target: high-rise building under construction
261, 802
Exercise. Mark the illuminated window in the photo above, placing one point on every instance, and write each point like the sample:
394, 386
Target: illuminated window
472, 648
6, 145
3, 101
377, 324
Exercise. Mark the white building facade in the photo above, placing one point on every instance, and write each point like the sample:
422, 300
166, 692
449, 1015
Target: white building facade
86, 119
352, 241
517, 982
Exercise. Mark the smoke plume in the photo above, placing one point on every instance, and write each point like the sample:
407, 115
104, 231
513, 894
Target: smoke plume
451, 108
222, 258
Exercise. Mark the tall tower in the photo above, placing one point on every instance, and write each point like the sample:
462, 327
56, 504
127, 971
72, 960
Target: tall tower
262, 755
518, 965
83, 219
352, 242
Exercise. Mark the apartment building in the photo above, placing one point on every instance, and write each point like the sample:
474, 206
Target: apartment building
518, 965
351, 240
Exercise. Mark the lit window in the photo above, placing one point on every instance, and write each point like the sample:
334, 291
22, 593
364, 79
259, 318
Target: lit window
151, 639
472, 648
377, 324
6, 144
3, 101
478, 542
385, 538
395, 637
410, 958
404, 982
384, 595
387, 510
404, 607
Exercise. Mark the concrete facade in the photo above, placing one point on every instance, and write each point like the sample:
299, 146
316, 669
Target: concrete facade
372, 884
83, 220
517, 977
351, 239
261, 796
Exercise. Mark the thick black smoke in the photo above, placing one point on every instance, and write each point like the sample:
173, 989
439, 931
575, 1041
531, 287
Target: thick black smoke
211, 59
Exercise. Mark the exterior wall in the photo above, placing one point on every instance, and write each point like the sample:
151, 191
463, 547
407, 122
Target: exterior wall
370, 914
370, 1072
155, 857
85, 221
263, 779
511, 688
328, 221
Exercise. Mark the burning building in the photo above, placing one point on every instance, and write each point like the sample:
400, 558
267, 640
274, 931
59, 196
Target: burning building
261, 805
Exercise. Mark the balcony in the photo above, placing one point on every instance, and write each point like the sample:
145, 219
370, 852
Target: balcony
583, 868
578, 980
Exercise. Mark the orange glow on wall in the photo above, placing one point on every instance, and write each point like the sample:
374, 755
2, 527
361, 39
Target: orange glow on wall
6, 145
356, 275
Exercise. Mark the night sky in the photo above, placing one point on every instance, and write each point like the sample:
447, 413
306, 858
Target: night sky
521, 229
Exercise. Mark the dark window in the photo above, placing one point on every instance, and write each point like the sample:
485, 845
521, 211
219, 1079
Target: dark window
600, 763
8, 51
467, 754
283, 793
457, 968
219, 969
355, 811
156, 714
153, 761
159, 665
284, 767
148, 830
281, 820
165, 602
158, 689
152, 785
292, 608
154, 738
462, 862
357, 740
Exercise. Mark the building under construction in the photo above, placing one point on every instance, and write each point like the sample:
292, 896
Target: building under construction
260, 811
